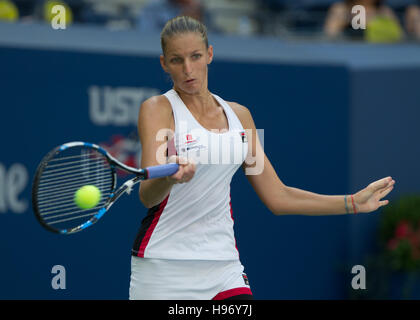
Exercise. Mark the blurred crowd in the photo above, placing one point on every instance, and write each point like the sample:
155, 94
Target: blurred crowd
386, 20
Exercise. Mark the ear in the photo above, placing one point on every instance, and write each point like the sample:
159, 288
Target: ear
210, 54
162, 63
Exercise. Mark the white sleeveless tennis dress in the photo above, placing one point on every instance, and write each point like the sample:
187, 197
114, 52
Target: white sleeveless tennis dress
185, 247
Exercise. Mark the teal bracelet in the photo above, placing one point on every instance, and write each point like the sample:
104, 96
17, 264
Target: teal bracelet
345, 203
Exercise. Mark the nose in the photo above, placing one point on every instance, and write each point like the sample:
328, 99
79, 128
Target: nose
187, 66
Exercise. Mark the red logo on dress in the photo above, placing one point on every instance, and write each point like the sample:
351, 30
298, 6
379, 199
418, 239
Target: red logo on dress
189, 138
245, 277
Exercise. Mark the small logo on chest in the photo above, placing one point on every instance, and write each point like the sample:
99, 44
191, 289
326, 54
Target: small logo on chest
189, 138
191, 142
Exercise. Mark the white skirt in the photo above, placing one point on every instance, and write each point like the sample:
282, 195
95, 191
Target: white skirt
160, 279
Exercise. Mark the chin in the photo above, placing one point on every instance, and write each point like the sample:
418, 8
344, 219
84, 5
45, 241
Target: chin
191, 90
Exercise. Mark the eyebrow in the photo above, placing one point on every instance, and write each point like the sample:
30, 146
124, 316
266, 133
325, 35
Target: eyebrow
177, 55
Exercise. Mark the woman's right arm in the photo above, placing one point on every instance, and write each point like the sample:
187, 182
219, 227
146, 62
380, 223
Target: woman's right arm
155, 121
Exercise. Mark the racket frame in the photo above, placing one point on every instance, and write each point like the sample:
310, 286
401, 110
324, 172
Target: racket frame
126, 187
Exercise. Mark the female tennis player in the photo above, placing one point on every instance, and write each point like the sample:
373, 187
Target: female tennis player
185, 247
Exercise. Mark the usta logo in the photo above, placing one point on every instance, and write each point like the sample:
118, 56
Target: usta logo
117, 106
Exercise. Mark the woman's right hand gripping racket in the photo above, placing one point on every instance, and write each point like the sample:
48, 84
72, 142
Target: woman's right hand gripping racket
69, 167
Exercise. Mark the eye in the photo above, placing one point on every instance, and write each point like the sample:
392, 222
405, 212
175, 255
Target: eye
176, 60
196, 56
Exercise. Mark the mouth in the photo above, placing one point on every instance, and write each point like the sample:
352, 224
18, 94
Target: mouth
189, 81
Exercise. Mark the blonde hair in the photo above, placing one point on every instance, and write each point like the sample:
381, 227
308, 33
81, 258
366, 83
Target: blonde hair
181, 25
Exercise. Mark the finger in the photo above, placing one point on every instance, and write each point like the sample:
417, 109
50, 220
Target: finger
179, 174
192, 161
383, 203
172, 159
186, 173
191, 167
186, 169
390, 183
380, 184
385, 192
189, 172
188, 177
183, 160
177, 159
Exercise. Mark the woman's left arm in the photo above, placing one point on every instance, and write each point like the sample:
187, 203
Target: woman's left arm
281, 199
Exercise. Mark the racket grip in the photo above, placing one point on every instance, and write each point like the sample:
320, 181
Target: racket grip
163, 170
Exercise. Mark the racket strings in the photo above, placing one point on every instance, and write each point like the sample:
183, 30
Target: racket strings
74, 178
66, 167
74, 218
66, 202
46, 193
72, 213
65, 158
63, 195
63, 175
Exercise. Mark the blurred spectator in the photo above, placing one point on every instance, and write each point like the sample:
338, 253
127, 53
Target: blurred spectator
412, 21
382, 18
156, 13
41, 10
8, 11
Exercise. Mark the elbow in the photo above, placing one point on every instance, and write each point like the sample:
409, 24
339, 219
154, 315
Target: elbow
275, 207
144, 201
148, 205
276, 211
148, 197
277, 204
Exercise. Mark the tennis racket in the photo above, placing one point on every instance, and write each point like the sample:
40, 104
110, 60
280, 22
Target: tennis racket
71, 166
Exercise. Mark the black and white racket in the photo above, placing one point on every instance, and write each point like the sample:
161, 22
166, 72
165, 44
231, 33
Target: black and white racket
67, 168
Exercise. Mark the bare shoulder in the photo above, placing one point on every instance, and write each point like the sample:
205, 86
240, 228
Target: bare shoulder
238, 108
156, 109
242, 113
156, 104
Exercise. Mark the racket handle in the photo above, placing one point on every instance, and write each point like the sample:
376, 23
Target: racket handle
163, 170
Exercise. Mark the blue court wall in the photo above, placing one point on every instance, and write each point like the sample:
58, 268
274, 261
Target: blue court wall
310, 112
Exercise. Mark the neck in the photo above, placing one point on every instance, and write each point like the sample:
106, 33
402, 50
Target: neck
199, 102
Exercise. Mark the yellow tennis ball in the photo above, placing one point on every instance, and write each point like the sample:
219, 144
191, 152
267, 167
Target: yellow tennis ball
8, 11
383, 30
87, 197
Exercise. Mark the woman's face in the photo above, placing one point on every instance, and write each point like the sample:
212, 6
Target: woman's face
186, 59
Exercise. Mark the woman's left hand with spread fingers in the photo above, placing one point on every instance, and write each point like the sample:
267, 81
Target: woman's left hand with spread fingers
370, 198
